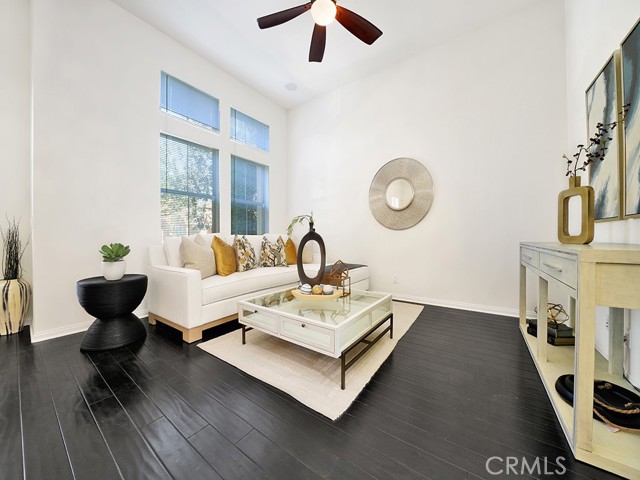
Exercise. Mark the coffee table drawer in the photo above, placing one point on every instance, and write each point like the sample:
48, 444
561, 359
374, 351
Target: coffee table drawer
561, 268
259, 319
322, 338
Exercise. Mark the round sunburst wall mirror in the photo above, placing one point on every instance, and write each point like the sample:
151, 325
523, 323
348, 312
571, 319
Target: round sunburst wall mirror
401, 193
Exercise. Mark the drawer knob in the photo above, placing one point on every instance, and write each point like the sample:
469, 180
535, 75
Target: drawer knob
303, 325
255, 311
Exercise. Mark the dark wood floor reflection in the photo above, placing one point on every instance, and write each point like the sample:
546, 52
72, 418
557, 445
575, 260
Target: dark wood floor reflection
459, 389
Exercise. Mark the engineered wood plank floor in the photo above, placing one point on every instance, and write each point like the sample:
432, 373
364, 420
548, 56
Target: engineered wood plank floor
459, 388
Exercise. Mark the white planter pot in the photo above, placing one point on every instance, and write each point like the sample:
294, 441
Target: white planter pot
114, 270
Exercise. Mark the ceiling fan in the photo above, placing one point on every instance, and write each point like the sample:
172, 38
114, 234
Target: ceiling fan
324, 12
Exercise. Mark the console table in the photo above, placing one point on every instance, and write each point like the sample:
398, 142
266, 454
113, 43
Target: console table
113, 302
598, 274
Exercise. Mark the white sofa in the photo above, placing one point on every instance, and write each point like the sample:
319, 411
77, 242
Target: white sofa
180, 298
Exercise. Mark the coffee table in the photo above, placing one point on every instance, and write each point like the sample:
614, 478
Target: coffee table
332, 327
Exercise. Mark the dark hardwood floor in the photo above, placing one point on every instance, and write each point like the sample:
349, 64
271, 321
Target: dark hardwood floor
459, 389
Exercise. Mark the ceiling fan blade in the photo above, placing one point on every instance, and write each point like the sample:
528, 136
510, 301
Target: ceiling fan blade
358, 26
279, 18
318, 42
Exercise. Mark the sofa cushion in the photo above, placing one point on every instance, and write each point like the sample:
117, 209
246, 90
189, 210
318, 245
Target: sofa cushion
225, 256
218, 288
245, 254
198, 256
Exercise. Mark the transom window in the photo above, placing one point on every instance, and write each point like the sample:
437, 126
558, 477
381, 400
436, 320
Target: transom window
249, 197
248, 130
189, 103
189, 187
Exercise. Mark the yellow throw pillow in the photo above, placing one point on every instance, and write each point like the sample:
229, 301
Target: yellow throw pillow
225, 256
290, 252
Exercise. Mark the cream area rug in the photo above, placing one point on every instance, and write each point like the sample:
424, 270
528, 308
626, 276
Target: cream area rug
308, 376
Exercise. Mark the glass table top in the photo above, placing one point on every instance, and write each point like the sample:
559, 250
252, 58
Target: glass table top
331, 312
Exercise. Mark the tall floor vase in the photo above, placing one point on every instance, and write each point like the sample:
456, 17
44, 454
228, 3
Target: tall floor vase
15, 298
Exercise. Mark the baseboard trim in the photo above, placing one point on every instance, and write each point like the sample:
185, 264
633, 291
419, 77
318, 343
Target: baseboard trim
59, 332
472, 307
143, 312
75, 328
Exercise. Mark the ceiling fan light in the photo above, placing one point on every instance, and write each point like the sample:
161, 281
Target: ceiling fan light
323, 12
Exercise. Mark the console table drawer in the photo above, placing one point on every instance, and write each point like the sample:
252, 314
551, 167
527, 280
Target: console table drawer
561, 268
307, 334
532, 257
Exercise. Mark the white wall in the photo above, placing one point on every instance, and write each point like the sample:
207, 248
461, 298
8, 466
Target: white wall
15, 91
96, 73
594, 29
486, 115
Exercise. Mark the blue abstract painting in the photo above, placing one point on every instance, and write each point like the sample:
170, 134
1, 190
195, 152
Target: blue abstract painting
631, 97
604, 175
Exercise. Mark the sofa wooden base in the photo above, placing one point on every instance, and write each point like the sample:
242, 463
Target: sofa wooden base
190, 335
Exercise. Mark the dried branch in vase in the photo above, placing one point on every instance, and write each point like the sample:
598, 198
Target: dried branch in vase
596, 149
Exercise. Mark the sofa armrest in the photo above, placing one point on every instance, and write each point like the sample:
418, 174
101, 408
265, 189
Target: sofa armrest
175, 294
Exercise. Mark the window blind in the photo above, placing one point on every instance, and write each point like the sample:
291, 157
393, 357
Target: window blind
249, 131
189, 103
189, 190
249, 197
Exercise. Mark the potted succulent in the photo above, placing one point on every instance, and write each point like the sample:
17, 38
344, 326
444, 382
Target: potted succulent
16, 291
113, 265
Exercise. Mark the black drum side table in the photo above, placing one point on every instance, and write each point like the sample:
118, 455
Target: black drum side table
112, 302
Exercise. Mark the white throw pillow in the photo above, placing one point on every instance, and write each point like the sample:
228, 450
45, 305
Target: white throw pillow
205, 241
197, 257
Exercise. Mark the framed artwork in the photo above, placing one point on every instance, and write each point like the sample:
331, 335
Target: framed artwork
603, 104
630, 57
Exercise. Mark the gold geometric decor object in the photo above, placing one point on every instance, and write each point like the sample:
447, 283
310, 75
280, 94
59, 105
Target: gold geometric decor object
555, 313
587, 229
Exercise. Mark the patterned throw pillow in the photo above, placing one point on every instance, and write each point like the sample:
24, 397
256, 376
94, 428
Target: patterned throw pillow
245, 255
272, 254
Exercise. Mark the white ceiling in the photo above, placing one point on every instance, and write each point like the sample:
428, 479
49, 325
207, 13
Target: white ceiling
226, 33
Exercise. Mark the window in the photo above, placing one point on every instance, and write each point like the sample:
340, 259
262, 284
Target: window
189, 103
249, 197
249, 131
188, 187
